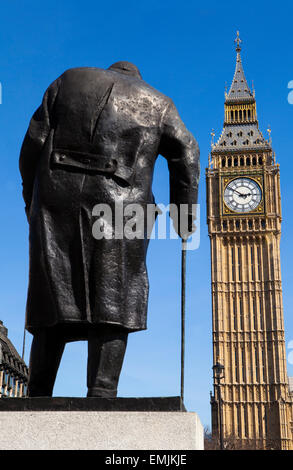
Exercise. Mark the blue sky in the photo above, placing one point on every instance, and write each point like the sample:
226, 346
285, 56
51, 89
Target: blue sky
186, 50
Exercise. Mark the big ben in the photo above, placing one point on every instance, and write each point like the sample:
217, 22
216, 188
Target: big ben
244, 224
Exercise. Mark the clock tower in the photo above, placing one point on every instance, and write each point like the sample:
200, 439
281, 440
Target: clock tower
244, 223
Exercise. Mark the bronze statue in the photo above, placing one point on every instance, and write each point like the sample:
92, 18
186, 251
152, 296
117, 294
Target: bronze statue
94, 139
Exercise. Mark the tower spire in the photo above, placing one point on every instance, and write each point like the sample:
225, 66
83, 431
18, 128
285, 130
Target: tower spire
239, 90
241, 129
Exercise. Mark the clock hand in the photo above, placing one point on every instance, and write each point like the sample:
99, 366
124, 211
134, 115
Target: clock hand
241, 194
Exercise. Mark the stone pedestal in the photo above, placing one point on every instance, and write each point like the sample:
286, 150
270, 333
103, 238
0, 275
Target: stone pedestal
89, 429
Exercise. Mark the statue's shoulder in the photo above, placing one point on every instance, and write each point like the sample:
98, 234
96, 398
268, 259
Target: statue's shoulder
129, 84
82, 72
145, 91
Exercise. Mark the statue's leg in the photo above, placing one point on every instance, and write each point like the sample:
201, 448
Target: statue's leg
106, 350
46, 352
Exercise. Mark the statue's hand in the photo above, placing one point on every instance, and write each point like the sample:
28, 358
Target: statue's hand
187, 228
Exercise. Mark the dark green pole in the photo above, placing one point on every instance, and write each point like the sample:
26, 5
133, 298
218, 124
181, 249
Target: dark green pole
183, 286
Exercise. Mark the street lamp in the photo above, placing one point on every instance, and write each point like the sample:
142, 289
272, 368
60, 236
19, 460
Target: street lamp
218, 375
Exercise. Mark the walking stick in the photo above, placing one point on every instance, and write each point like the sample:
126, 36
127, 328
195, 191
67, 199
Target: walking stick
183, 283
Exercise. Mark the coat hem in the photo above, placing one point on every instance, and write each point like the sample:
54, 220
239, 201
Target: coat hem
74, 323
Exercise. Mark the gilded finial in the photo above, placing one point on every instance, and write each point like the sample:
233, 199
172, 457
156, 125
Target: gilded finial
269, 131
238, 42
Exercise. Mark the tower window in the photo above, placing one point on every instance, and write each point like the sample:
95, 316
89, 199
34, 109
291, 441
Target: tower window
260, 420
252, 261
235, 161
243, 365
239, 262
256, 366
236, 366
233, 264
246, 430
254, 312
223, 162
238, 425
254, 161
241, 314
248, 161
260, 317
241, 161
234, 313
263, 364
260, 160
258, 263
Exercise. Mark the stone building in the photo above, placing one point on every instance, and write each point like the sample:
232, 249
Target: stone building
13, 370
244, 224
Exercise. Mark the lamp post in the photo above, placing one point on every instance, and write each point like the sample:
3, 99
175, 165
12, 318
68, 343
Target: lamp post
218, 375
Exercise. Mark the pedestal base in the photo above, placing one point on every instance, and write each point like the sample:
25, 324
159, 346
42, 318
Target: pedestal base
104, 430
159, 423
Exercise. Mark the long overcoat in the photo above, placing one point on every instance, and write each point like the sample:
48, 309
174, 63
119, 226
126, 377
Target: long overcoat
95, 139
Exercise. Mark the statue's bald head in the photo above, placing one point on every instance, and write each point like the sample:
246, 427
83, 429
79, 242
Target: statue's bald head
126, 67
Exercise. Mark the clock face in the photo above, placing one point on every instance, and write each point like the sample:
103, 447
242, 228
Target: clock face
242, 195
